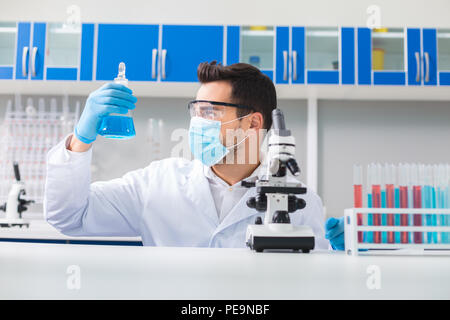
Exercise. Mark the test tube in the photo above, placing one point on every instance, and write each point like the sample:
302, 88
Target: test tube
390, 199
446, 202
434, 174
376, 200
416, 175
404, 203
397, 217
357, 197
369, 234
426, 199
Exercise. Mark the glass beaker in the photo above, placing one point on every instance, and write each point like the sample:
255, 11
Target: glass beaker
118, 126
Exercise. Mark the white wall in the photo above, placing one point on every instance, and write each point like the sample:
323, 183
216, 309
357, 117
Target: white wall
362, 132
420, 13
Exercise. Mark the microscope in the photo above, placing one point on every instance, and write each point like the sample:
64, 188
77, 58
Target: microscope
277, 197
15, 204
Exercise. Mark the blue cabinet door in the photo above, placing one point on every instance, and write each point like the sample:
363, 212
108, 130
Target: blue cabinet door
30, 50
322, 55
298, 55
23, 50
414, 54
348, 55
429, 57
233, 44
37, 53
8, 44
185, 47
87, 51
366, 75
282, 55
134, 45
364, 56
84, 52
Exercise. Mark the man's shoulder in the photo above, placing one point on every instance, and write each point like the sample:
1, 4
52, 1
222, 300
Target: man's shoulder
175, 166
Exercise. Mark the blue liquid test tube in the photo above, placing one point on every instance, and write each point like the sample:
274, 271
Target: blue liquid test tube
369, 234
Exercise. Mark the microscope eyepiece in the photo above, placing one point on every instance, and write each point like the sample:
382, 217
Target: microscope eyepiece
278, 119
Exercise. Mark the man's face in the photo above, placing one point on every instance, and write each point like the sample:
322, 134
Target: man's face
221, 91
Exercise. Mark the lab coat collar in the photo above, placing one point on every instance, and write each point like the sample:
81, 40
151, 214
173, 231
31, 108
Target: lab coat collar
257, 173
240, 211
197, 189
209, 174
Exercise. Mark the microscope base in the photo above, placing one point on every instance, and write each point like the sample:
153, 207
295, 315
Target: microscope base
14, 222
272, 237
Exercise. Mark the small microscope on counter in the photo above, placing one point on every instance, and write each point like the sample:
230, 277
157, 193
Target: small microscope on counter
15, 204
277, 197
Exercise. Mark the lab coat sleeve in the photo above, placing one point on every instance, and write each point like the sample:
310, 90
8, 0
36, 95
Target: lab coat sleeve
76, 207
316, 220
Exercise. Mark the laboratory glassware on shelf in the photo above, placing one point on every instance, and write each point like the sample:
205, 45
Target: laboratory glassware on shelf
26, 135
118, 126
407, 207
155, 133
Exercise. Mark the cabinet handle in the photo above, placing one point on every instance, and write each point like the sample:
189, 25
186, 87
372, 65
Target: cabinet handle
285, 65
417, 67
24, 61
33, 61
427, 67
163, 63
294, 64
154, 53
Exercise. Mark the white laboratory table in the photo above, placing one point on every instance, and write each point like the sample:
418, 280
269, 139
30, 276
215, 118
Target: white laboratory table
47, 271
40, 230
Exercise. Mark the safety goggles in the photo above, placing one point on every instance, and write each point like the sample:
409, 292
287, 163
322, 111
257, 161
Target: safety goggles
212, 110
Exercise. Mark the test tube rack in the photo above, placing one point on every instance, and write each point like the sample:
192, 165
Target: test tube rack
26, 135
355, 247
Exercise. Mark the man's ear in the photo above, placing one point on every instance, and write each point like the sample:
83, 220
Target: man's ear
256, 121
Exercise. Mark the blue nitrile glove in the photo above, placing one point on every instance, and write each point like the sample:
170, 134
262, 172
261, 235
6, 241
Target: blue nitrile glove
110, 98
334, 232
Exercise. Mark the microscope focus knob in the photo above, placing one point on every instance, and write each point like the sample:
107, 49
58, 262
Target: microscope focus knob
300, 203
251, 202
258, 220
295, 203
259, 202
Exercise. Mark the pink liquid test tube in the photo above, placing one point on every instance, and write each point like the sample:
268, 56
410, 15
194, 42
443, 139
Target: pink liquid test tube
404, 217
416, 175
390, 198
376, 203
417, 198
390, 203
357, 197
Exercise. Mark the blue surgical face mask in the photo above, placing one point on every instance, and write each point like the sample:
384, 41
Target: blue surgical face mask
204, 140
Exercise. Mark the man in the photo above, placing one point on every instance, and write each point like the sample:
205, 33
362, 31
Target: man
174, 202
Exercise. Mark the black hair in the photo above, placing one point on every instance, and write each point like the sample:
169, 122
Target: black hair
249, 87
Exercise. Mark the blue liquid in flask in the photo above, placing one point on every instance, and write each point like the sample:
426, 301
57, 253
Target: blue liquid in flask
118, 126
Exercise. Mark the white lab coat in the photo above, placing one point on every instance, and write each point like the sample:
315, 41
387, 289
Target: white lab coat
168, 203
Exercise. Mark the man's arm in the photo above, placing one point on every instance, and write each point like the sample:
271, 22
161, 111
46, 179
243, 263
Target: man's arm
315, 218
76, 145
71, 203
76, 207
